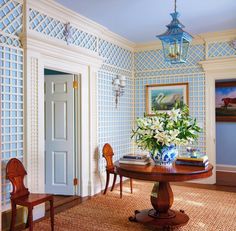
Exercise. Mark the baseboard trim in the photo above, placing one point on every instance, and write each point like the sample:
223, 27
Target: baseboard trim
6, 218
226, 168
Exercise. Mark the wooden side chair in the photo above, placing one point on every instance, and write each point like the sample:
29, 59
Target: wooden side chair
110, 169
20, 195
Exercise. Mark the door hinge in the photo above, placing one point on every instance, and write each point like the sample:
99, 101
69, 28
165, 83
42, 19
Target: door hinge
75, 181
75, 84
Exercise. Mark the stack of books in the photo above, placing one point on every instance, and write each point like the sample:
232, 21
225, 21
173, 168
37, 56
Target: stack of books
200, 160
135, 159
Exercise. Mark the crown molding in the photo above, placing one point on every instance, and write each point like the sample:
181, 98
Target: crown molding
198, 39
216, 65
63, 14
218, 36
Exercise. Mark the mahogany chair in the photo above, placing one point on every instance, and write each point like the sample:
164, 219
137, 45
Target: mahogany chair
20, 195
110, 169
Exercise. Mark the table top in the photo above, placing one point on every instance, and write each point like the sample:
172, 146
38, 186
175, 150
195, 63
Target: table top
172, 173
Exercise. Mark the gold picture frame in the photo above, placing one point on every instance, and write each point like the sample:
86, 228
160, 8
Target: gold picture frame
162, 97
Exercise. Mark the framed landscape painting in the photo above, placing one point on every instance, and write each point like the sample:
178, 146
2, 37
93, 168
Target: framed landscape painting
225, 101
163, 97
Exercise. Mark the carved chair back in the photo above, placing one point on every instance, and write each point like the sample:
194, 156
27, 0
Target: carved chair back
108, 155
16, 172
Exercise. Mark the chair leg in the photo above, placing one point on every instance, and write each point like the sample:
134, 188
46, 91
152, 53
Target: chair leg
121, 182
114, 182
107, 182
30, 218
13, 216
52, 214
27, 222
131, 185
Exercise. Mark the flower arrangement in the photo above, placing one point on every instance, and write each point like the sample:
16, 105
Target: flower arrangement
165, 130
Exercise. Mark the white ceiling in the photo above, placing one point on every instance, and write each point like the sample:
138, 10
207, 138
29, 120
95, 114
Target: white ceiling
142, 20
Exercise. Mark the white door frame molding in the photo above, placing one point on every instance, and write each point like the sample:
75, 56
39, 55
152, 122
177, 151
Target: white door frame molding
215, 69
40, 54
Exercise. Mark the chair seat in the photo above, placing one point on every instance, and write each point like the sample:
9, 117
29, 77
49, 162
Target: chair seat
33, 199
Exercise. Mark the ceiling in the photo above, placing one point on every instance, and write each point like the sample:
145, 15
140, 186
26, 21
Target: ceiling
142, 20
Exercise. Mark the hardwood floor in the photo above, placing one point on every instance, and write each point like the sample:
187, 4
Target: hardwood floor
62, 203
226, 178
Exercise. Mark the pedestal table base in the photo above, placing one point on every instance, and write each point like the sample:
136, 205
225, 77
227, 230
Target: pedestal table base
169, 221
161, 216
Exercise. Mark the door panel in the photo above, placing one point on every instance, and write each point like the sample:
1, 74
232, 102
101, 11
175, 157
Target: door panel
59, 120
60, 176
59, 141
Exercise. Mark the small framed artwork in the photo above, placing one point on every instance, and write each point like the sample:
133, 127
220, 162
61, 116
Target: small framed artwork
163, 97
225, 101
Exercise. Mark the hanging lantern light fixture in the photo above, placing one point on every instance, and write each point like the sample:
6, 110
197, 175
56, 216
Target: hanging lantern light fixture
175, 41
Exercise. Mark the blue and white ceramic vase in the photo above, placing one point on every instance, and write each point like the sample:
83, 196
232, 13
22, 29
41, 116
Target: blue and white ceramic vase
165, 156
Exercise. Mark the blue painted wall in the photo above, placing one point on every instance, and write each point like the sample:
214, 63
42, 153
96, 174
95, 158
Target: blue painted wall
226, 143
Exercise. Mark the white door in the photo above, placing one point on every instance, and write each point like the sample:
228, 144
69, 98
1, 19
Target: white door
59, 134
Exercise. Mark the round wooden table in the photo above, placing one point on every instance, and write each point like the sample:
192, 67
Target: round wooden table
161, 216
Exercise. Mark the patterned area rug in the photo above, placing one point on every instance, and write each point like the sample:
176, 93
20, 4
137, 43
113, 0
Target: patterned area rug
208, 210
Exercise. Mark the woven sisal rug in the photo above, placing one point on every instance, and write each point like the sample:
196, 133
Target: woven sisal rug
208, 210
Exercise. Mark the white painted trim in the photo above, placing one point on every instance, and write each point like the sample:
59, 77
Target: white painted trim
226, 168
219, 36
94, 181
117, 68
214, 70
57, 11
56, 48
213, 66
44, 52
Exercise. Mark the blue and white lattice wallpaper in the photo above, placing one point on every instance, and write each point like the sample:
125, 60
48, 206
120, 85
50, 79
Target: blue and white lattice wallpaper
114, 124
150, 68
11, 71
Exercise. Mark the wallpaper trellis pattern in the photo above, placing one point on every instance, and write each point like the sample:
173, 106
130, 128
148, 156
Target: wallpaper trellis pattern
10, 17
149, 70
114, 124
221, 49
196, 97
115, 55
154, 60
11, 71
52, 27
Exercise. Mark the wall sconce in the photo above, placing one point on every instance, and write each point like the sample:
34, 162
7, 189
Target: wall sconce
118, 84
